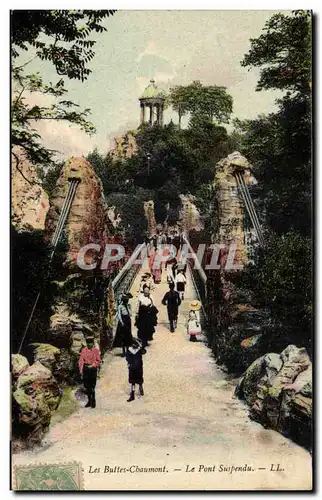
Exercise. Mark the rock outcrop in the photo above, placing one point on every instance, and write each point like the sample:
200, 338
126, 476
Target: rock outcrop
66, 333
230, 207
36, 395
150, 216
278, 389
80, 293
29, 201
19, 364
125, 146
189, 217
46, 354
86, 222
238, 324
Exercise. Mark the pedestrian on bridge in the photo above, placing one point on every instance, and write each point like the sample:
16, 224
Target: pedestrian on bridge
172, 300
181, 283
135, 366
146, 317
123, 336
193, 323
89, 362
146, 280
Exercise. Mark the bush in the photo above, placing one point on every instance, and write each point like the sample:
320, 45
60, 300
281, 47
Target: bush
282, 281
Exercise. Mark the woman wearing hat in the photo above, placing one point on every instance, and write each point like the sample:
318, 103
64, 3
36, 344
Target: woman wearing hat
193, 324
146, 317
123, 336
146, 280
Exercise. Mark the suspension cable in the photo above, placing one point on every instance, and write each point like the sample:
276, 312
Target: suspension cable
246, 190
63, 217
61, 212
252, 216
250, 207
64, 212
60, 224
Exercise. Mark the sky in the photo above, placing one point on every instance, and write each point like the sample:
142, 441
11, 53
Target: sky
174, 48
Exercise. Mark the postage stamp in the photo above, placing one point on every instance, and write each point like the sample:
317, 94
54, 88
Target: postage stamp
39, 477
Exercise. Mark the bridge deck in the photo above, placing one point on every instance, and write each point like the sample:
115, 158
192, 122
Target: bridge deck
187, 416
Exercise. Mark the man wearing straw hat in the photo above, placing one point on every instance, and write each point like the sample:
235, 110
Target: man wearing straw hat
89, 362
193, 324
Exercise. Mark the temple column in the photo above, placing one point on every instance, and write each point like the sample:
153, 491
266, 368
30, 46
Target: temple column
161, 115
155, 108
151, 114
142, 113
158, 113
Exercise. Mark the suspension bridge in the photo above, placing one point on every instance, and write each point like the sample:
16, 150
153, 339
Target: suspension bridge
188, 427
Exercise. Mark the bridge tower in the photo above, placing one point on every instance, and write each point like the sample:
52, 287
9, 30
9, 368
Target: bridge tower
152, 105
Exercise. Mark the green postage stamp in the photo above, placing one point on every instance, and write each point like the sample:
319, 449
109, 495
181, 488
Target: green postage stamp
42, 477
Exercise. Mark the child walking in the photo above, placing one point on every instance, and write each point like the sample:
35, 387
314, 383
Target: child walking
180, 280
135, 366
193, 323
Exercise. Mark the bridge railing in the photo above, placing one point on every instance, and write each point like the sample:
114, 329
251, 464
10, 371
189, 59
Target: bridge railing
124, 279
199, 278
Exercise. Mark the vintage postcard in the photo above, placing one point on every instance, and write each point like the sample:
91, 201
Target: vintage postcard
161, 250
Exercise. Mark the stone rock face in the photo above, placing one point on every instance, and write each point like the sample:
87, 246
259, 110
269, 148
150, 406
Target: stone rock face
150, 215
125, 146
46, 354
78, 290
19, 364
35, 396
114, 216
230, 206
86, 222
65, 333
278, 388
189, 215
29, 203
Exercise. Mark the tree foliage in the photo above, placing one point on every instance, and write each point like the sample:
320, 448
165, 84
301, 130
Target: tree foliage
279, 146
281, 281
61, 37
210, 102
283, 52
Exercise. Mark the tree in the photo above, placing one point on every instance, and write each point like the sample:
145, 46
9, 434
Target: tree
113, 173
279, 145
283, 52
60, 37
211, 102
51, 177
131, 210
281, 281
71, 27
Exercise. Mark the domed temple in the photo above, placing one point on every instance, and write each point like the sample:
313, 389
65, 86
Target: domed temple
152, 104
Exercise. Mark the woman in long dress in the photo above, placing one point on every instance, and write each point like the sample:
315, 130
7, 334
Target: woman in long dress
193, 323
146, 319
123, 336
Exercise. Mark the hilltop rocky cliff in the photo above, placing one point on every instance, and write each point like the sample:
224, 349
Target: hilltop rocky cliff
125, 146
29, 202
77, 298
86, 222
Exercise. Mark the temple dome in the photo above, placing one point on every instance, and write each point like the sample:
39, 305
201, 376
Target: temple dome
152, 91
